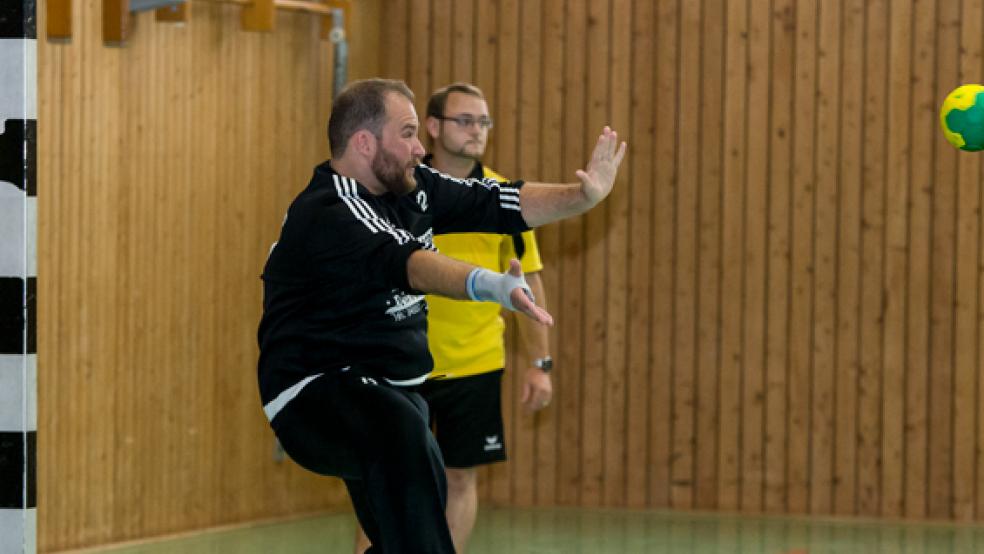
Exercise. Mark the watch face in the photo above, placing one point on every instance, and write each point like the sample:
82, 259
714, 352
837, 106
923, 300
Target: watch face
545, 364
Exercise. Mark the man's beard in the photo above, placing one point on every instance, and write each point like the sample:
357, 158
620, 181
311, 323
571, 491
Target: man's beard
392, 174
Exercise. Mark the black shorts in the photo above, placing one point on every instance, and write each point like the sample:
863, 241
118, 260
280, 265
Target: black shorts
466, 415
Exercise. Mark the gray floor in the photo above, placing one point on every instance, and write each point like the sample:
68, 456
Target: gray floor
569, 531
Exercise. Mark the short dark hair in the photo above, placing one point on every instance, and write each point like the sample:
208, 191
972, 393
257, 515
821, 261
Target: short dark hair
439, 99
361, 105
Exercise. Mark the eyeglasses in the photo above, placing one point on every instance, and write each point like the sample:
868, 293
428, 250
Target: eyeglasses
467, 121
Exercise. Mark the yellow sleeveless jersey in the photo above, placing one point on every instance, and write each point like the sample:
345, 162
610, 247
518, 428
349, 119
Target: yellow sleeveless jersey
465, 337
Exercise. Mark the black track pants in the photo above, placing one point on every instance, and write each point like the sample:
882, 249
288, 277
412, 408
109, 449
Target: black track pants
374, 436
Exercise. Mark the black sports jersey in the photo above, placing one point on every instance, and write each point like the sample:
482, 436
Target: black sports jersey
336, 291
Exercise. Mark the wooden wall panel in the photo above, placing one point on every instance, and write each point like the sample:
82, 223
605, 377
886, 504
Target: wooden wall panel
920, 270
896, 202
825, 255
708, 266
778, 308
168, 164
639, 350
733, 202
848, 259
754, 257
942, 258
783, 30
666, 98
872, 257
802, 264
684, 256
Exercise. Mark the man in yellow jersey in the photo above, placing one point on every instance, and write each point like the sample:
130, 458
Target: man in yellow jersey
466, 338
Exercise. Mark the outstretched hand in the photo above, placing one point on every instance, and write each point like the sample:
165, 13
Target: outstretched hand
599, 176
522, 300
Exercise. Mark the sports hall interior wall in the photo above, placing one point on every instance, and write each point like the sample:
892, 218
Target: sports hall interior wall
166, 166
778, 309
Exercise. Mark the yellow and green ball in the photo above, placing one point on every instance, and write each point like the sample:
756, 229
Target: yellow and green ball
962, 118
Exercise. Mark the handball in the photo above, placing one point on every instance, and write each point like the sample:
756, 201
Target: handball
962, 118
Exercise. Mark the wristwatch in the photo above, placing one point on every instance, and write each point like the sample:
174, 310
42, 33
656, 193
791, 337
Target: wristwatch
545, 363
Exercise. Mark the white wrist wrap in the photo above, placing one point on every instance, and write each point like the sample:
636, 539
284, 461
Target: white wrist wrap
489, 286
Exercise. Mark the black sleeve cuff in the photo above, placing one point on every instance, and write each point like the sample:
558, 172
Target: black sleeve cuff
397, 270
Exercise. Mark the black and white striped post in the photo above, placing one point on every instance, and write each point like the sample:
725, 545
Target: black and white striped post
18, 276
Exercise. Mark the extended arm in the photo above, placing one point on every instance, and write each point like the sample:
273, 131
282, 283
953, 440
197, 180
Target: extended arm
544, 203
435, 273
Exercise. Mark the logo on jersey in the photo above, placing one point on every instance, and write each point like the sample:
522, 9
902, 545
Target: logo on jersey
422, 200
403, 305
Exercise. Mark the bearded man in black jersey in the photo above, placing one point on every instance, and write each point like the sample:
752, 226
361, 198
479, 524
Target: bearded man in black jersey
343, 340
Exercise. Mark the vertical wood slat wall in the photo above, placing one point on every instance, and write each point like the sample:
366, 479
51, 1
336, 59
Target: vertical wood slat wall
167, 165
779, 307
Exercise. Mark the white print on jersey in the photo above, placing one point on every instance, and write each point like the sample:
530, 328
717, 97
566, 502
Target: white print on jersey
404, 305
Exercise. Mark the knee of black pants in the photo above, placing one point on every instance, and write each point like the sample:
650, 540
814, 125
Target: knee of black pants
310, 434
401, 438
324, 457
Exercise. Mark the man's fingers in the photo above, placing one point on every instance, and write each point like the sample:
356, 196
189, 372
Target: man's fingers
537, 314
607, 142
523, 304
612, 141
607, 150
601, 150
620, 154
515, 268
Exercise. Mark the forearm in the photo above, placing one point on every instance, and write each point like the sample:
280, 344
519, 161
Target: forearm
536, 337
543, 203
435, 273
